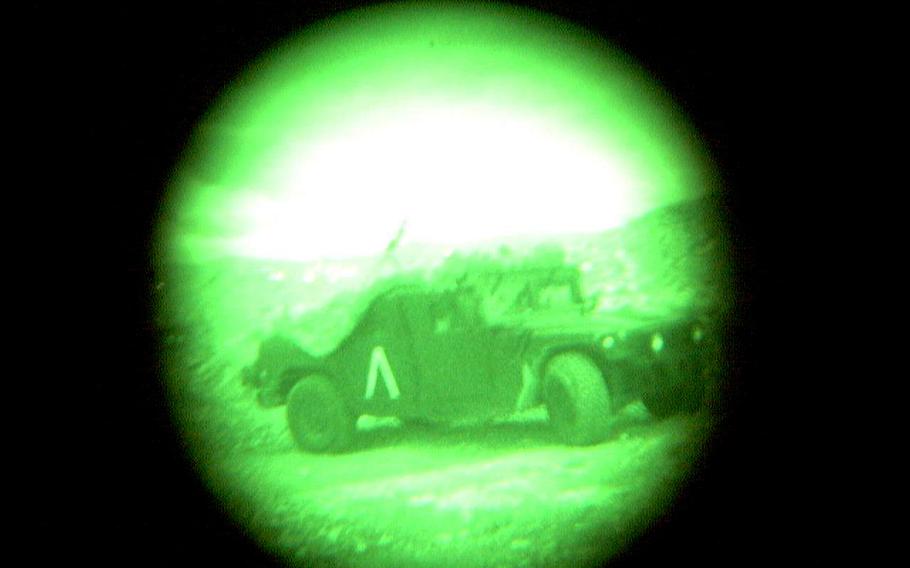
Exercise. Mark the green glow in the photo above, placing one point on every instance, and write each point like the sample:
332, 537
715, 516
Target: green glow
463, 150
465, 123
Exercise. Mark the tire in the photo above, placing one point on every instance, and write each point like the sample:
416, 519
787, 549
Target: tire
678, 388
319, 420
577, 399
678, 398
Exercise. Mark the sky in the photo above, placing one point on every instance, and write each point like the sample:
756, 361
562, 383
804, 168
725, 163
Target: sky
466, 126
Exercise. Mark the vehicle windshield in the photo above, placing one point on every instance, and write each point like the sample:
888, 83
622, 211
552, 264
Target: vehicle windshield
522, 293
457, 309
557, 297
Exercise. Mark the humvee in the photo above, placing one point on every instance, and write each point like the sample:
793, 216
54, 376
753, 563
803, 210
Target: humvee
495, 343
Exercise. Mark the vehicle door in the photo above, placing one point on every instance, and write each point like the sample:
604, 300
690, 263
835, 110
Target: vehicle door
378, 361
457, 357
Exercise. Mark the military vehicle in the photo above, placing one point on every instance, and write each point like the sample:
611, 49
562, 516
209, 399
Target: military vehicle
494, 342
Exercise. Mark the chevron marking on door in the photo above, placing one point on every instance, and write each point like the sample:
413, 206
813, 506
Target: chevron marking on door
379, 363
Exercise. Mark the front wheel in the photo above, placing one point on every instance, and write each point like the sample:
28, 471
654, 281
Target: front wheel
577, 399
317, 416
678, 386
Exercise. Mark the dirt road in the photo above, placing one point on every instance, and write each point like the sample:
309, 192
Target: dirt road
500, 495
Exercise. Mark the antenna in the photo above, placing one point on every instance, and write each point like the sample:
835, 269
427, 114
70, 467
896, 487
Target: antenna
389, 254
393, 244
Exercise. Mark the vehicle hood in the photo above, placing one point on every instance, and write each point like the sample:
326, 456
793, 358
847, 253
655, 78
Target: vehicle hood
598, 323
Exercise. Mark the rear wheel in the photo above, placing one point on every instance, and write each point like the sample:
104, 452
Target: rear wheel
317, 416
577, 399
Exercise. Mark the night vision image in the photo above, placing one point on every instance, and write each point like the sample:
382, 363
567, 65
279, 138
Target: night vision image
444, 285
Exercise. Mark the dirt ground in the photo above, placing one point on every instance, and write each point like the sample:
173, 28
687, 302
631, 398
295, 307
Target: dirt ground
506, 494
496, 495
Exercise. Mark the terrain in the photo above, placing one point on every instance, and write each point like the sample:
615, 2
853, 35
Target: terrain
501, 494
